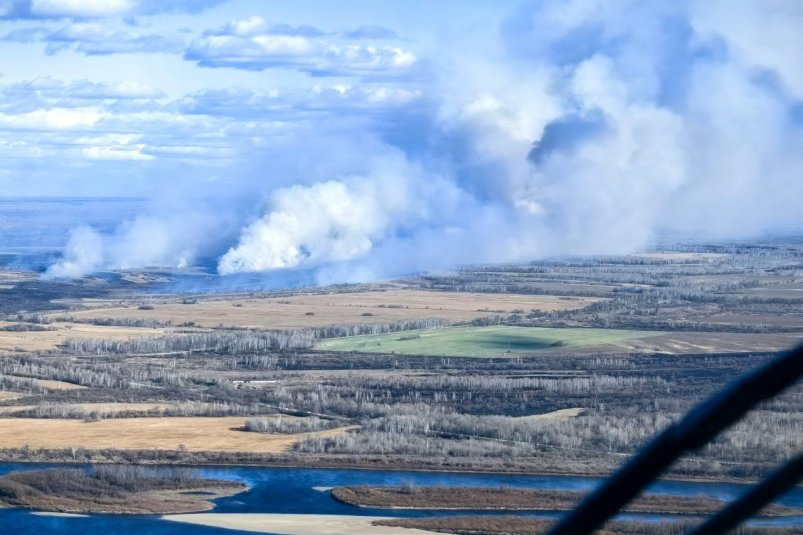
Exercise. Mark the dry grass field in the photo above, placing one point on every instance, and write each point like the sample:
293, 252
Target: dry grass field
679, 343
195, 434
50, 339
12, 277
315, 310
562, 414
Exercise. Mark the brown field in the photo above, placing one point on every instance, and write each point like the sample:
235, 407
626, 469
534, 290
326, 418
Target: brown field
48, 340
194, 434
314, 310
788, 290
16, 276
678, 343
561, 414
785, 321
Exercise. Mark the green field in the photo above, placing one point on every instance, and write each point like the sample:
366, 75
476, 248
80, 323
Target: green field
493, 341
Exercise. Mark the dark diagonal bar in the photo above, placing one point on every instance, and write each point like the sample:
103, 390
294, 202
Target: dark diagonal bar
761, 495
698, 427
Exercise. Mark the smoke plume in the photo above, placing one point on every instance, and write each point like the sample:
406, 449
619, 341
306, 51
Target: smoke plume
576, 127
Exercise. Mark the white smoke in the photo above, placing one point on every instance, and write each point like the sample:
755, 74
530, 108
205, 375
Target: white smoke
83, 254
580, 127
145, 241
649, 124
339, 221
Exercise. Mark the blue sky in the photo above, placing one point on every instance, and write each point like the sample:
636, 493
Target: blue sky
115, 96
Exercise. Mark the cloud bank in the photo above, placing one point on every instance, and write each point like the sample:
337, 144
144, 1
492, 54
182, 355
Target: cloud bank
253, 44
576, 127
45, 9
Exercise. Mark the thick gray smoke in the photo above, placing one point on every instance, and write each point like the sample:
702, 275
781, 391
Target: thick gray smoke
580, 127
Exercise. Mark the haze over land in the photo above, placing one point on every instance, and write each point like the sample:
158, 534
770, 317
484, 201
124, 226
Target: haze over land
370, 140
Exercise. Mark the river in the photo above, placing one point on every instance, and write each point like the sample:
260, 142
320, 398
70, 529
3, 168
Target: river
293, 490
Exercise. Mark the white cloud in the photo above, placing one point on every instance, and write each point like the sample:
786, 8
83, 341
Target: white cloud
93, 38
117, 152
253, 44
56, 119
83, 9
54, 93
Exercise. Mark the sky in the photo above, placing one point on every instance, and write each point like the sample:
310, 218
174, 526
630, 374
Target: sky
368, 139
113, 97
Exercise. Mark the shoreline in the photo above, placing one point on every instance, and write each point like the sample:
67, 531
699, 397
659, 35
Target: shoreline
507, 499
395, 467
547, 510
112, 491
204, 503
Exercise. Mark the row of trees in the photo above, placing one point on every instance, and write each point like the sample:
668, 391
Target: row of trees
220, 342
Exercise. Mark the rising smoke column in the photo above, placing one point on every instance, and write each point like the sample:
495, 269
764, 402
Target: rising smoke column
577, 127
597, 125
339, 221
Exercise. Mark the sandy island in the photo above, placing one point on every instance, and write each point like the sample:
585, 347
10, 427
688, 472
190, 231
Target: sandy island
295, 524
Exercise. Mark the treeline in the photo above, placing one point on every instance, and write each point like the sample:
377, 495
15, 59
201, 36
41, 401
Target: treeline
289, 425
220, 342
123, 322
88, 412
22, 370
360, 329
25, 327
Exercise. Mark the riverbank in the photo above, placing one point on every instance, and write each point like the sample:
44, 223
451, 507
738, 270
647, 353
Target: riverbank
525, 466
113, 490
453, 498
519, 525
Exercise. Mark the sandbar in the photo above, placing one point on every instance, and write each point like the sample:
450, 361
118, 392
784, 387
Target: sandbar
295, 524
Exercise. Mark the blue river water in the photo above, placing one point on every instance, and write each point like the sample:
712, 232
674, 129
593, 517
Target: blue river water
292, 490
